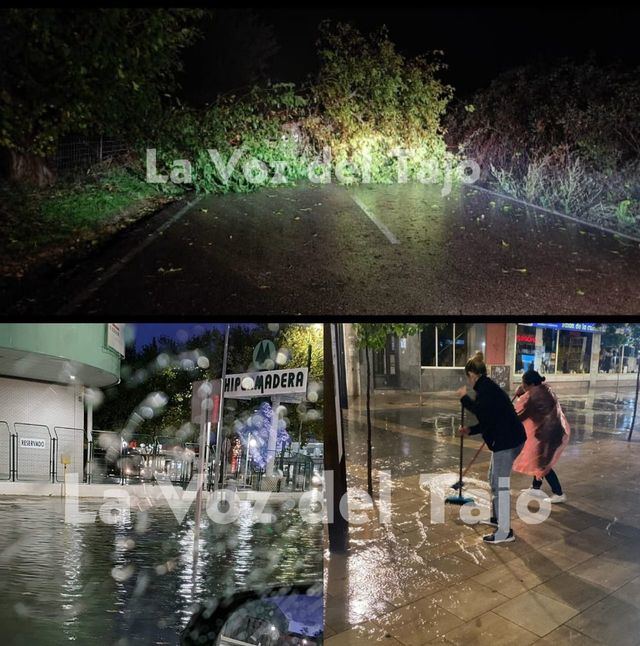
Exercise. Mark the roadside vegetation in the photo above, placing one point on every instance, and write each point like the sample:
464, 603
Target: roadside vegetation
565, 137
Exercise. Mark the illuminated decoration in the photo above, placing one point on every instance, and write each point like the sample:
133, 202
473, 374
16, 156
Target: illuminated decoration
257, 428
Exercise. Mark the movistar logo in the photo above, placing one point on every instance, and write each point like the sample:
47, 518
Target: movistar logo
263, 352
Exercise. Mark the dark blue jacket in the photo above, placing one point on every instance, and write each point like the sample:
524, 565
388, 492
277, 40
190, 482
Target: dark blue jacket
497, 419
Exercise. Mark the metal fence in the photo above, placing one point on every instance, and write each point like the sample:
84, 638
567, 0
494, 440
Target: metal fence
79, 153
6, 451
34, 452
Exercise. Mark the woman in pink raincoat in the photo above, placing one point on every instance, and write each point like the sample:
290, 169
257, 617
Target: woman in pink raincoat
547, 433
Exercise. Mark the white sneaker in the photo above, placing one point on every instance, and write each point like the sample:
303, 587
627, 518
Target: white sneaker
556, 499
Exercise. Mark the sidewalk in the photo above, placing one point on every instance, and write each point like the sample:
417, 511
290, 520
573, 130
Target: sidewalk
573, 578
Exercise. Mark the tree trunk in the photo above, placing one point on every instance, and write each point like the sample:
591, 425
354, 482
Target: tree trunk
27, 168
369, 452
635, 402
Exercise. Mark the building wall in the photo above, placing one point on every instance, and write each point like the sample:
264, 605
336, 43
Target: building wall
83, 343
24, 402
496, 343
409, 361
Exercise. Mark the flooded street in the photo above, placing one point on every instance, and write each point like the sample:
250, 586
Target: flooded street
417, 577
132, 582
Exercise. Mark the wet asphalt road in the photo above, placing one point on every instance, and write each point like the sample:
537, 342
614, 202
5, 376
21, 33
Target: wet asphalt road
365, 250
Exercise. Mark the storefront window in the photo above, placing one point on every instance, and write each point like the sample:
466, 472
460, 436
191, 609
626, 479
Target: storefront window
548, 351
428, 345
574, 352
460, 346
445, 345
525, 348
448, 345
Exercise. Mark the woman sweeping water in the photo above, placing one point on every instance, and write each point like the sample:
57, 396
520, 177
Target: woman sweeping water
504, 435
547, 433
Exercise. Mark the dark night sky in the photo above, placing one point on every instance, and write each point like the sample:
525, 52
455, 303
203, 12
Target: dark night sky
145, 332
479, 42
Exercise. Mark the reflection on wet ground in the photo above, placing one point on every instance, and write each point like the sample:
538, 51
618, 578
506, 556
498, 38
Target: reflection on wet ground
572, 578
132, 582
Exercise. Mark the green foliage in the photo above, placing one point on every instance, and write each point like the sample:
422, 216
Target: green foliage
45, 223
565, 136
617, 334
257, 122
369, 100
69, 70
624, 212
168, 367
374, 335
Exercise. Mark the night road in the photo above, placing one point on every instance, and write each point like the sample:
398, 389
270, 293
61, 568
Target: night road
335, 250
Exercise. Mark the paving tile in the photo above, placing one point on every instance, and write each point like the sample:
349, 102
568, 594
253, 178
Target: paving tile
362, 635
506, 580
485, 555
490, 630
341, 615
564, 554
629, 592
418, 623
536, 612
606, 572
611, 621
572, 590
468, 599
565, 635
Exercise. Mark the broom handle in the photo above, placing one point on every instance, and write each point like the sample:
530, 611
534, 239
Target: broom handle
461, 445
473, 459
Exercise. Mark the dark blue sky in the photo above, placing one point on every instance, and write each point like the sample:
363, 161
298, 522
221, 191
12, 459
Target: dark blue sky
145, 332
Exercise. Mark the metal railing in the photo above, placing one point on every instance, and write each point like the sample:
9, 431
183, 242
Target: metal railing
111, 459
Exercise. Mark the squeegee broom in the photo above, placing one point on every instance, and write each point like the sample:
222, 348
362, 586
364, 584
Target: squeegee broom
459, 499
458, 484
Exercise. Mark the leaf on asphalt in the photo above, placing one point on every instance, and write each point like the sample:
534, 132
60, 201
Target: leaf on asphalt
505, 244
579, 292
523, 270
580, 269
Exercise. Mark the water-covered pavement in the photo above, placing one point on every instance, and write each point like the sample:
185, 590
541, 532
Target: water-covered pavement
329, 249
574, 578
134, 582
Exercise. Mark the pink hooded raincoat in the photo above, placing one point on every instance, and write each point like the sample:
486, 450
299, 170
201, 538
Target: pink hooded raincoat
547, 431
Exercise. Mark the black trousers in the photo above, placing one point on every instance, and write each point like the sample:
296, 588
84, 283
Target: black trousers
553, 481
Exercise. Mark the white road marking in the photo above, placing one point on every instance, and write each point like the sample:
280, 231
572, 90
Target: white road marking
371, 215
71, 305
